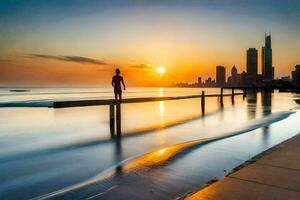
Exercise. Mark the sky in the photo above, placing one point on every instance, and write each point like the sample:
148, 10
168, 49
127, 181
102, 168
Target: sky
82, 42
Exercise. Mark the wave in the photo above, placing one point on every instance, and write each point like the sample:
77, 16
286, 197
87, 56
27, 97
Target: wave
160, 156
88, 143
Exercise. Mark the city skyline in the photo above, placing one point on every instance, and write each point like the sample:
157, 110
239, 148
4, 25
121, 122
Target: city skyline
250, 77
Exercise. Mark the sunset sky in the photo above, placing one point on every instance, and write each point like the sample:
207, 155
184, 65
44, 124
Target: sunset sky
79, 42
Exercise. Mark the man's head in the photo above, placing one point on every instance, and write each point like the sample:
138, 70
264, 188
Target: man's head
118, 71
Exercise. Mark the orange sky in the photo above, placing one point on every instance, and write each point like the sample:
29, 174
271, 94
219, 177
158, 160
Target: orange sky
82, 46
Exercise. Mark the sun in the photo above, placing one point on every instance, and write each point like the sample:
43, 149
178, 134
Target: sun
161, 70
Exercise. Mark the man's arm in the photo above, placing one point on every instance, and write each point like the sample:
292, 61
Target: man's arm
123, 84
112, 82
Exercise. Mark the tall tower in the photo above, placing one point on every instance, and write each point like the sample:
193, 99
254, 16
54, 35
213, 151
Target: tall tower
220, 75
234, 76
234, 71
267, 60
252, 65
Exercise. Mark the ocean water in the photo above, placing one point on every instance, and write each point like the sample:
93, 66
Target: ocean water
48, 94
167, 148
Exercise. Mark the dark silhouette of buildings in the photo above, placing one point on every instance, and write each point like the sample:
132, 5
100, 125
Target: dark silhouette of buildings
267, 71
244, 79
235, 78
286, 79
252, 66
251, 78
234, 71
220, 75
199, 80
210, 82
296, 76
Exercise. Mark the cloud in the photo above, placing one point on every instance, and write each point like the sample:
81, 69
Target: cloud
141, 66
5, 60
77, 59
103, 70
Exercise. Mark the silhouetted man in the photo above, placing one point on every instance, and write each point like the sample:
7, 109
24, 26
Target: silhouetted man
116, 83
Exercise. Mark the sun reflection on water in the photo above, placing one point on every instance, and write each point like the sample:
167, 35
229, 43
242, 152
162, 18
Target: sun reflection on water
161, 92
161, 108
157, 157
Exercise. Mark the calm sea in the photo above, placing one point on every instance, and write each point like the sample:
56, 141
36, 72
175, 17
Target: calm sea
69, 153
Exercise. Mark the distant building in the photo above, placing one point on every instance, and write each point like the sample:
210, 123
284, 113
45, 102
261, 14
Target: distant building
296, 75
267, 71
252, 66
243, 78
234, 71
199, 80
220, 75
294, 78
259, 78
208, 81
286, 78
234, 79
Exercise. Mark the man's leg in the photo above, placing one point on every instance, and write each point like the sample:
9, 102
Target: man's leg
116, 96
120, 96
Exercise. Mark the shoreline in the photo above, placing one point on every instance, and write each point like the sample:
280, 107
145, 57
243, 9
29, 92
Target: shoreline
204, 191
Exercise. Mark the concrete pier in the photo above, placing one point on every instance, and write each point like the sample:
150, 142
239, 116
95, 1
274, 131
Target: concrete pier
112, 119
118, 119
115, 107
98, 102
203, 103
221, 95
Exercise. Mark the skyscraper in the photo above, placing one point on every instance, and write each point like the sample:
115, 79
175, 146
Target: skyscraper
235, 78
252, 66
199, 80
267, 60
234, 71
296, 75
220, 75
